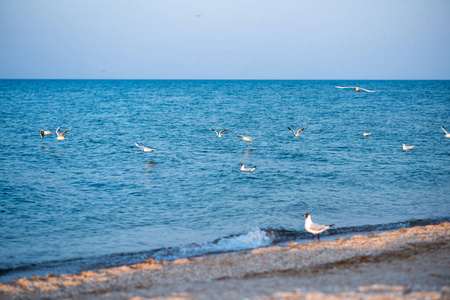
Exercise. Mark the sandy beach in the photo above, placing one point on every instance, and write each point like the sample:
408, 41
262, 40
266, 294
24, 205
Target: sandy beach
412, 263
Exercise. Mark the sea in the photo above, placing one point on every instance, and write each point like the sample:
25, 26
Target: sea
95, 200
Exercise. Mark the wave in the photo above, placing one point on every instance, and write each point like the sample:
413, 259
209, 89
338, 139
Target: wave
256, 238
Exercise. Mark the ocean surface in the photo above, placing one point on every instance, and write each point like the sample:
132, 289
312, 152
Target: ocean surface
95, 200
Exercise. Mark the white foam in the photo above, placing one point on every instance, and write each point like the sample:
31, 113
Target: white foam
253, 239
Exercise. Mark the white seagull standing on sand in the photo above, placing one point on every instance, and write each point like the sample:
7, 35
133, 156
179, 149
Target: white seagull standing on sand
313, 227
367, 133
447, 135
219, 134
407, 147
60, 135
245, 138
358, 89
145, 149
296, 134
244, 169
45, 132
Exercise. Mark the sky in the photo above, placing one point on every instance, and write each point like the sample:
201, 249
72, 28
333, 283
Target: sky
205, 39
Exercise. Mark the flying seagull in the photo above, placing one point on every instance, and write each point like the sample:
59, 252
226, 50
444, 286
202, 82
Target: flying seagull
60, 135
245, 138
296, 134
45, 132
358, 89
244, 169
367, 133
219, 134
447, 135
145, 149
313, 227
407, 147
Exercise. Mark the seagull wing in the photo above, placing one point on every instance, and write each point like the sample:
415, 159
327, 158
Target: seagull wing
300, 130
344, 87
58, 131
137, 145
443, 128
317, 227
291, 129
64, 132
370, 91
222, 131
215, 131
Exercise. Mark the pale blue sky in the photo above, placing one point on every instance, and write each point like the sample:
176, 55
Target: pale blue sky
291, 39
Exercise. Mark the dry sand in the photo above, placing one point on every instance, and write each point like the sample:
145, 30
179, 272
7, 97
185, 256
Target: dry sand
409, 263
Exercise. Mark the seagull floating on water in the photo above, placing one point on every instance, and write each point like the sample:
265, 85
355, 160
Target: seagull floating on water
145, 149
367, 133
407, 147
313, 227
245, 138
219, 134
296, 134
60, 135
358, 89
447, 135
45, 132
244, 169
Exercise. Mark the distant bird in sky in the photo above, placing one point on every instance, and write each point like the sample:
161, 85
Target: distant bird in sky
219, 134
198, 16
244, 169
245, 138
60, 135
367, 133
296, 134
45, 132
313, 227
145, 149
407, 147
447, 135
358, 89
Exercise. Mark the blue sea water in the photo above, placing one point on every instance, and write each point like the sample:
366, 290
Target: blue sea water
95, 200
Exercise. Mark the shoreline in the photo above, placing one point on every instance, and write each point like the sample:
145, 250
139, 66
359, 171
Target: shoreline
405, 263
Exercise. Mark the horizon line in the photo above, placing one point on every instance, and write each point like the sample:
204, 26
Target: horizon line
212, 79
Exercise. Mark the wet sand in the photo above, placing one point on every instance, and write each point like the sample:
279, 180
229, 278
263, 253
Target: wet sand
411, 263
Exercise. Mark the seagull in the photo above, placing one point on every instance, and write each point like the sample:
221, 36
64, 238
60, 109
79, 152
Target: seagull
407, 147
367, 133
60, 135
296, 134
245, 138
244, 169
45, 132
358, 89
447, 135
313, 227
145, 149
219, 134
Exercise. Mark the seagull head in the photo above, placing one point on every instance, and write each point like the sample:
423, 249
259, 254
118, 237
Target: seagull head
305, 215
241, 165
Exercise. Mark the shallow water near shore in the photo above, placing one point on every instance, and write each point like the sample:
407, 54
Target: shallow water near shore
95, 200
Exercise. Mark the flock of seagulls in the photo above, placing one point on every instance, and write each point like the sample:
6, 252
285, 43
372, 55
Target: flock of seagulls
313, 228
